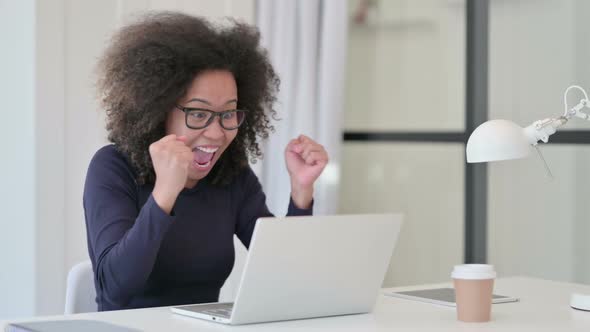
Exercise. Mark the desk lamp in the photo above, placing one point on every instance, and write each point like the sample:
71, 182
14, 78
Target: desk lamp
498, 140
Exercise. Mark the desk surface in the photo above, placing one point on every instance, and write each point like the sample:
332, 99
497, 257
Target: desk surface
543, 306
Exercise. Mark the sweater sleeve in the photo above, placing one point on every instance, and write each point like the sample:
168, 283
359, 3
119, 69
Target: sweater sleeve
253, 206
123, 241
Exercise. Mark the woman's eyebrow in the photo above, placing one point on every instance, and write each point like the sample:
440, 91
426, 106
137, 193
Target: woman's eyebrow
200, 101
208, 103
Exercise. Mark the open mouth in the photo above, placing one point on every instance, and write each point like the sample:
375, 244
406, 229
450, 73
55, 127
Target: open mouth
204, 156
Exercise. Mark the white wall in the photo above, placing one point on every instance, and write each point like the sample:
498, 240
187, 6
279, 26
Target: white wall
17, 168
581, 249
52, 125
50, 161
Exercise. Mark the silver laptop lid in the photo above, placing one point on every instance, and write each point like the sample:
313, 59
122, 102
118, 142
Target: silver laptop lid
303, 267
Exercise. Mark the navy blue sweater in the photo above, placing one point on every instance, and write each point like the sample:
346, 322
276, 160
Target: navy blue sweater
143, 257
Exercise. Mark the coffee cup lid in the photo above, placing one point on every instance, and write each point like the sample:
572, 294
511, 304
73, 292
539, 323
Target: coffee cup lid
473, 271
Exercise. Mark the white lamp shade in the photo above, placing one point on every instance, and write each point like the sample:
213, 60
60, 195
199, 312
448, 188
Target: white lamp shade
497, 140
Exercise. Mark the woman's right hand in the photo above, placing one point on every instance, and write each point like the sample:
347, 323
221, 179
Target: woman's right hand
171, 159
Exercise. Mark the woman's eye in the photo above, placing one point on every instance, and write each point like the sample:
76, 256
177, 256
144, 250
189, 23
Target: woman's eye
199, 115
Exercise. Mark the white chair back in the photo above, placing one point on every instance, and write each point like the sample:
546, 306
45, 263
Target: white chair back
80, 292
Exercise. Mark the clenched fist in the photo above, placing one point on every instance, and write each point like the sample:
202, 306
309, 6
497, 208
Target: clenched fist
305, 159
171, 159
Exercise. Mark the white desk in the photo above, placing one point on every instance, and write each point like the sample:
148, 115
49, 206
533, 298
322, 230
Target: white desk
544, 306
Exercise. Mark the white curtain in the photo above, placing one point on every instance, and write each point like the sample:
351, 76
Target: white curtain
306, 40
307, 43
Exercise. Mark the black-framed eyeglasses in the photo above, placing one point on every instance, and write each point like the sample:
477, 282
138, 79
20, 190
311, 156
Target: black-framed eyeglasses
199, 118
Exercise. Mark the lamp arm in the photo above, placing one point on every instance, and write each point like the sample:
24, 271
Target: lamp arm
542, 129
576, 110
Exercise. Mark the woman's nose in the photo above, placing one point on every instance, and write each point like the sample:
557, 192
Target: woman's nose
214, 130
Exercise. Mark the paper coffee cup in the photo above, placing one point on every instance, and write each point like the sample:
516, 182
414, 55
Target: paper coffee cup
474, 285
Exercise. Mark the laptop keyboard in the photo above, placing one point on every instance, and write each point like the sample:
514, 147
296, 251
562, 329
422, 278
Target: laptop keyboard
219, 310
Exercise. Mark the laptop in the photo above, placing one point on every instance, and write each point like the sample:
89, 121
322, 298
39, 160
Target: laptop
306, 267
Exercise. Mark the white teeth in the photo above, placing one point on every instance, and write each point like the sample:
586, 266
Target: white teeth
207, 150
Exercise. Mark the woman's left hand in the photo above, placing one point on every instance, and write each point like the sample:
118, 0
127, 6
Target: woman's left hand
305, 159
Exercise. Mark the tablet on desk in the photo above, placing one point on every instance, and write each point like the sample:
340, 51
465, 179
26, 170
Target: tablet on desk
442, 296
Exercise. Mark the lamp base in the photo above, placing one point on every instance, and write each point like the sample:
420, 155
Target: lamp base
580, 302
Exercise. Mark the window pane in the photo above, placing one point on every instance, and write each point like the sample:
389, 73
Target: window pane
406, 66
423, 181
540, 226
537, 49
